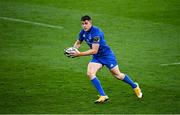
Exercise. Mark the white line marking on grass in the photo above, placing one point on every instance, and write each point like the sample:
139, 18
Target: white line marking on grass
31, 22
178, 63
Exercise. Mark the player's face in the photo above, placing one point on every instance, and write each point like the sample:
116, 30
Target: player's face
86, 25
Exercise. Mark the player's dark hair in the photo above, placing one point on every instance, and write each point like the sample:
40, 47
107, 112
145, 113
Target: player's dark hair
85, 17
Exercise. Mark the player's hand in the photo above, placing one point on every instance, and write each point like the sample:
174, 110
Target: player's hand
75, 53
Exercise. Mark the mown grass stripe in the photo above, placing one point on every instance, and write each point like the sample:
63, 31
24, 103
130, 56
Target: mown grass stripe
178, 63
31, 22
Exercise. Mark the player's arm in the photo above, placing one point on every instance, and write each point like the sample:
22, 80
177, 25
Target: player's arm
93, 50
77, 44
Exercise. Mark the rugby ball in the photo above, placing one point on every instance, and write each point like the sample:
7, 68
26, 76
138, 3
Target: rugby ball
68, 51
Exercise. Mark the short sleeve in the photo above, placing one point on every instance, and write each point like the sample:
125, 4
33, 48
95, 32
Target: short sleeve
97, 36
96, 39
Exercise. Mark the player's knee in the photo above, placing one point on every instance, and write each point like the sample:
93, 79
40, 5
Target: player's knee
120, 76
90, 74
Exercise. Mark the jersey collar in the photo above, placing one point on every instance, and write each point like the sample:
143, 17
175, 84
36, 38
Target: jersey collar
90, 29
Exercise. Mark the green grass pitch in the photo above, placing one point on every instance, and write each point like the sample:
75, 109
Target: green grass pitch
35, 76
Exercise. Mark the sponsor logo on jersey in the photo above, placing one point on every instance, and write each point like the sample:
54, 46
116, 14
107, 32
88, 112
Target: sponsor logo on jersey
84, 35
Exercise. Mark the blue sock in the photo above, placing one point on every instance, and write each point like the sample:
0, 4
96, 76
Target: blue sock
129, 81
98, 86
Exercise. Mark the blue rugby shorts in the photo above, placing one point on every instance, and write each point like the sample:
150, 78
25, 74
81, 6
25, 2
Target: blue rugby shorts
109, 61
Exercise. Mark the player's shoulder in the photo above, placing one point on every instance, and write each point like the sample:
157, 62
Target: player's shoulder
81, 32
96, 29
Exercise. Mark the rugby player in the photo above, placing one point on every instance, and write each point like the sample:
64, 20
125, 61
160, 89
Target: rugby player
101, 55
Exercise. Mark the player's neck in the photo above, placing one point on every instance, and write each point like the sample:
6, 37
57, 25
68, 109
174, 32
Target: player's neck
89, 29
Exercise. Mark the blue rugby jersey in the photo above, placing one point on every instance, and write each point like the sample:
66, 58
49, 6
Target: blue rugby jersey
95, 36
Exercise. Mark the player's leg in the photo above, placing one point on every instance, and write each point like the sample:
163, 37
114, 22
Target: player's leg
91, 72
121, 76
111, 63
92, 69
